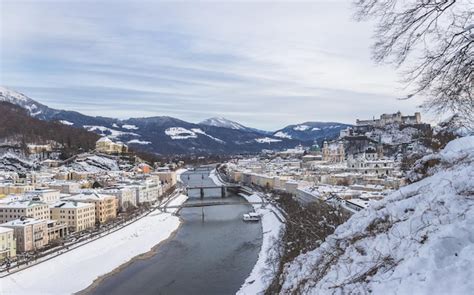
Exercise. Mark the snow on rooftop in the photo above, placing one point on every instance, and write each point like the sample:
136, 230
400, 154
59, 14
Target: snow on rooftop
5, 230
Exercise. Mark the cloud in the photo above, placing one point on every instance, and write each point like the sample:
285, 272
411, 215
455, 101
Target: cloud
265, 64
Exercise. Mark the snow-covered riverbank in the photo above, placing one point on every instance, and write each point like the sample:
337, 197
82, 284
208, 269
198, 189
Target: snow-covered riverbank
77, 269
215, 178
262, 273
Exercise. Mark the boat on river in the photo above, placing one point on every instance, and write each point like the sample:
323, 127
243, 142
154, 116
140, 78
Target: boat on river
251, 216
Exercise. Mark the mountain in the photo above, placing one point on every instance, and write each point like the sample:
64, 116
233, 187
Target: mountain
225, 123
17, 128
311, 131
222, 122
167, 135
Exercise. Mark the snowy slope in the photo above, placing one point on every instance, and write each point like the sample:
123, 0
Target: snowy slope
34, 108
311, 131
419, 240
222, 122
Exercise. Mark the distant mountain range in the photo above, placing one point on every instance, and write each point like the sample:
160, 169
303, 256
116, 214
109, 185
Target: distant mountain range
167, 135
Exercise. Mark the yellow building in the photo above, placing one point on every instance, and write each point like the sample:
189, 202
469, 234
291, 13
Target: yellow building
77, 215
16, 210
105, 145
10, 189
333, 153
7, 243
106, 206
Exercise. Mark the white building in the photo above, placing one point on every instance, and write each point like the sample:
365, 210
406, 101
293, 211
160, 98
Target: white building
48, 196
363, 165
126, 197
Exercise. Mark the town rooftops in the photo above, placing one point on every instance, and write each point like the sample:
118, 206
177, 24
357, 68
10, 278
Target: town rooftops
89, 196
70, 205
22, 204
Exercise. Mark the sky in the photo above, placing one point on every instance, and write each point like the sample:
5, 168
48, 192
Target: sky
264, 64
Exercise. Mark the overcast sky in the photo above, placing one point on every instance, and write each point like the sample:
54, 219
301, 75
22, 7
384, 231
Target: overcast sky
263, 64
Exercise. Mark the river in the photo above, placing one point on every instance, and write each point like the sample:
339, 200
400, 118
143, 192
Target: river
210, 256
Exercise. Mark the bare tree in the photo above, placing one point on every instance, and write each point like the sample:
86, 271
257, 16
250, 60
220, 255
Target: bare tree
435, 39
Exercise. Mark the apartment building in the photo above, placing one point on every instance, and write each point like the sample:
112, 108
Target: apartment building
106, 206
126, 197
16, 210
77, 215
45, 195
30, 233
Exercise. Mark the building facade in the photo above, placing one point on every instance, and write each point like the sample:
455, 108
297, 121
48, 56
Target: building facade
78, 216
16, 210
7, 243
31, 234
106, 206
107, 146
333, 153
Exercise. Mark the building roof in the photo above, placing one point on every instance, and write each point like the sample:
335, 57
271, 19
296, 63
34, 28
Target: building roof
89, 197
104, 139
70, 205
22, 204
23, 222
5, 229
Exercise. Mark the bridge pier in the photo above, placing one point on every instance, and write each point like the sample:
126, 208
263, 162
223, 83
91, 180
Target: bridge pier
202, 192
223, 192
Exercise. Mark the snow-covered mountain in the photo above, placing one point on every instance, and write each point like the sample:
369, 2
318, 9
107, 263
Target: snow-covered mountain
163, 135
222, 122
418, 240
311, 131
34, 108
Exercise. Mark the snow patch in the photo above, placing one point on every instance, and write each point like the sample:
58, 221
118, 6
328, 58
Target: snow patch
129, 127
267, 140
282, 134
180, 133
105, 131
137, 141
66, 122
199, 131
301, 128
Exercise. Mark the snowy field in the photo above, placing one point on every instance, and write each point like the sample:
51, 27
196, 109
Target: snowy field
262, 273
77, 269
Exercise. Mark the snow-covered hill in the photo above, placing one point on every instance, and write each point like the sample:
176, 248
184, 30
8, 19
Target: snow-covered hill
34, 108
222, 122
167, 135
419, 240
311, 131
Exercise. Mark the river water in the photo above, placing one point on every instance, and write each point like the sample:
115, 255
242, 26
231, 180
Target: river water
210, 256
